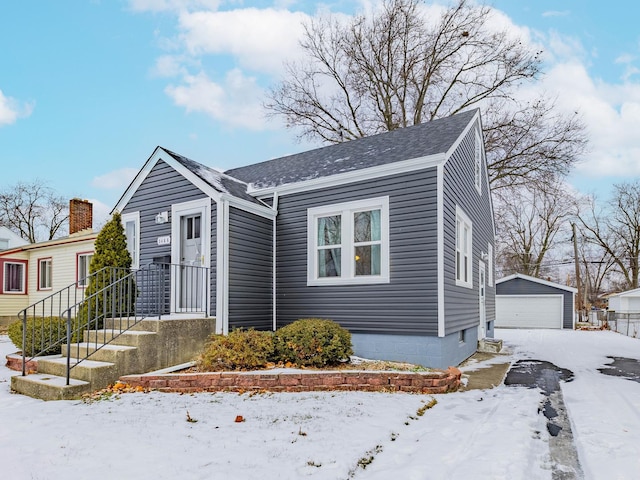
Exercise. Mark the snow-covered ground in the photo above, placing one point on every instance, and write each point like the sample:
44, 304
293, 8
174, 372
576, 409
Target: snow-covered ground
478, 434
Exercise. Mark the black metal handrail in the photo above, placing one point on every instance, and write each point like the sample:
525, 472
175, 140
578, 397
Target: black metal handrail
126, 298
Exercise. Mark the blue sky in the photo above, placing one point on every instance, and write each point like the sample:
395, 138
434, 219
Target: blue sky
89, 88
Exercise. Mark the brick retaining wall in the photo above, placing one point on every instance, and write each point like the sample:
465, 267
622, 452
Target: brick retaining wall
414, 382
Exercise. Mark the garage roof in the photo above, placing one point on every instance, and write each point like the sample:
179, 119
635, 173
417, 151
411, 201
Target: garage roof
537, 280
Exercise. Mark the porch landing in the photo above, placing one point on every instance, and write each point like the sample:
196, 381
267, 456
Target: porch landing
150, 345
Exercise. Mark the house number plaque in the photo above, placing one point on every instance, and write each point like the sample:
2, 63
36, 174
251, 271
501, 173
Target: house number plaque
166, 240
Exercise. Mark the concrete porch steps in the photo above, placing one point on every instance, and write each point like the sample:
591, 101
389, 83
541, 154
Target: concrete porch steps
113, 354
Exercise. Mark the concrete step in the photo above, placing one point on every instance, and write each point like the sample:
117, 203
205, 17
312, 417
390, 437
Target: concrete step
119, 323
98, 374
49, 387
128, 359
129, 338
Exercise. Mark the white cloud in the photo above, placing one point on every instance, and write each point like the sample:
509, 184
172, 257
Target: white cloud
237, 101
101, 214
117, 179
168, 5
258, 39
11, 109
556, 13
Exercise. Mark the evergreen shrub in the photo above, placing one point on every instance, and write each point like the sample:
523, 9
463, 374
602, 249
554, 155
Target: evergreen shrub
313, 342
42, 332
239, 350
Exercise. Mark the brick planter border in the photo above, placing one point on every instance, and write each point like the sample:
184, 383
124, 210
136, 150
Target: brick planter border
440, 381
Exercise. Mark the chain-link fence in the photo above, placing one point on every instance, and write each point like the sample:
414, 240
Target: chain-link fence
626, 323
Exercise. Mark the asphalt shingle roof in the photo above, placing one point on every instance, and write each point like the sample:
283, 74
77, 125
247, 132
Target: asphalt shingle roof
406, 143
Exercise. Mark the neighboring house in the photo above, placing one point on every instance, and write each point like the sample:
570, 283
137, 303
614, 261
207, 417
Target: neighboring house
391, 235
528, 302
625, 302
9, 240
34, 271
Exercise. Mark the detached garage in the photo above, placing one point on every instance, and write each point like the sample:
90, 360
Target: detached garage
527, 302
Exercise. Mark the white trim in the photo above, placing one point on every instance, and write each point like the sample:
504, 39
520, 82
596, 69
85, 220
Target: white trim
260, 210
25, 272
475, 120
160, 154
482, 306
440, 249
178, 210
394, 168
135, 217
466, 221
490, 263
537, 280
274, 206
346, 210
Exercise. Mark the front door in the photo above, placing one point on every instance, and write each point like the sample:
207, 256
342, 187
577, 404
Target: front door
191, 257
482, 328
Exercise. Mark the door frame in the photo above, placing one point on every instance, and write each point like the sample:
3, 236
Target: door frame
179, 210
482, 299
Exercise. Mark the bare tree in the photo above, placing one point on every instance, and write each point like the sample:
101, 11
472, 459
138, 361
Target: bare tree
33, 211
397, 68
616, 229
597, 266
530, 223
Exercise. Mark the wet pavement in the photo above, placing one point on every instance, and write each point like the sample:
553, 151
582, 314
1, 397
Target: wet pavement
547, 377
628, 368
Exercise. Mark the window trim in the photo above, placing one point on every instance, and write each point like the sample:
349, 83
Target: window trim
49, 260
462, 218
134, 217
24, 265
78, 255
477, 163
346, 211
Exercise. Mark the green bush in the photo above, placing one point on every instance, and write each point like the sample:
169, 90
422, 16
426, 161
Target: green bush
41, 332
240, 350
313, 342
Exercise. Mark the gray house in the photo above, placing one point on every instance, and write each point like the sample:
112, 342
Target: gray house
523, 301
391, 236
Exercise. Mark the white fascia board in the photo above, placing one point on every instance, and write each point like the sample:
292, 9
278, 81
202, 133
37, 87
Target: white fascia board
537, 280
440, 248
404, 166
260, 210
160, 154
627, 293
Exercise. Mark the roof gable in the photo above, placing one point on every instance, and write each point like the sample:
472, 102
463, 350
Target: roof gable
417, 141
537, 280
627, 293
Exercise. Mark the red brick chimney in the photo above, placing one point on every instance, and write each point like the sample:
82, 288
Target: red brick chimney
80, 215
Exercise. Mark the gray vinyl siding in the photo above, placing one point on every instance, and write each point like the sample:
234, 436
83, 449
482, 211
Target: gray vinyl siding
462, 308
522, 286
162, 188
405, 306
250, 270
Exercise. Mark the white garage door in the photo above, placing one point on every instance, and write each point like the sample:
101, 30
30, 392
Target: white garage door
529, 311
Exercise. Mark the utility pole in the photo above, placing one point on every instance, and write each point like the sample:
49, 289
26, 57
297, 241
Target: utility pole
577, 263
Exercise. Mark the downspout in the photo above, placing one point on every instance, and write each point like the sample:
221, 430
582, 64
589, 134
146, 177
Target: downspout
274, 207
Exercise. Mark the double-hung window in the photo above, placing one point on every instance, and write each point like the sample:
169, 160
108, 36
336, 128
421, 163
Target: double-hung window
83, 262
464, 272
131, 224
44, 274
14, 278
348, 243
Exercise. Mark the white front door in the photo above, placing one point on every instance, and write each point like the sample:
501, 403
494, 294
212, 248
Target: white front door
191, 233
191, 249
482, 287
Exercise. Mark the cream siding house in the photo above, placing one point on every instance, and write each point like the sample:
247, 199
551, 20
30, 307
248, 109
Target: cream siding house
32, 272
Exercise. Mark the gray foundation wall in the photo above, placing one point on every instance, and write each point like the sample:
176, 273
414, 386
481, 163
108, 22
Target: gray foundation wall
432, 352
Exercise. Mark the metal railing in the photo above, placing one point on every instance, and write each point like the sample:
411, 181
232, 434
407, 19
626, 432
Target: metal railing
116, 300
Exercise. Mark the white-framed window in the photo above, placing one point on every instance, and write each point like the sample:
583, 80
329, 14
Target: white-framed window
14, 278
131, 225
348, 243
477, 163
44, 274
490, 265
464, 235
83, 262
